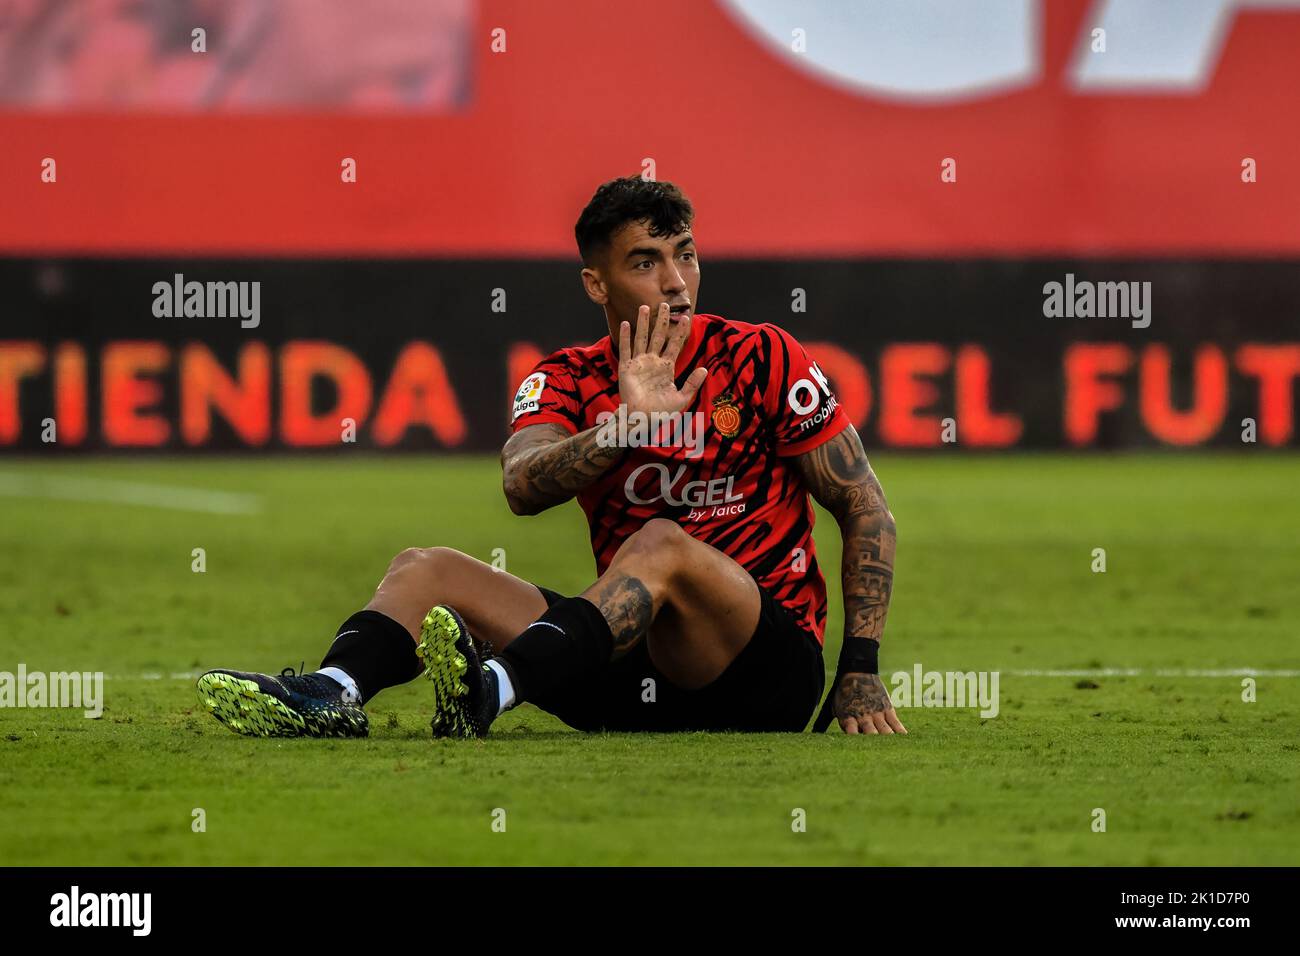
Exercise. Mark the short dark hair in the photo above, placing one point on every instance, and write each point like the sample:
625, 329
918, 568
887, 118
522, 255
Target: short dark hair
631, 199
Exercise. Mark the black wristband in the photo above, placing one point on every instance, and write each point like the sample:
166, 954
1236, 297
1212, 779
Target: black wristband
860, 655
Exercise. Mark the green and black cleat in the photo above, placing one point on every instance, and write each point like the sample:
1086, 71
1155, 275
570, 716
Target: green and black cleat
291, 705
464, 688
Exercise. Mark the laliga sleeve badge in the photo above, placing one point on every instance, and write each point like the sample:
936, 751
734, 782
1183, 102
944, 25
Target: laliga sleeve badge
528, 398
726, 415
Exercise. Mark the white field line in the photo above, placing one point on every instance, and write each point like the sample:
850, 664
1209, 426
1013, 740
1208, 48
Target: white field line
1159, 672
22, 485
1096, 672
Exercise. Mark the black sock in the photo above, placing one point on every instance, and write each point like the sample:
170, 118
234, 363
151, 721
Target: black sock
376, 652
544, 661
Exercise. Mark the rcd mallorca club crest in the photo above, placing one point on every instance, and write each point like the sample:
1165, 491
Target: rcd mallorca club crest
726, 415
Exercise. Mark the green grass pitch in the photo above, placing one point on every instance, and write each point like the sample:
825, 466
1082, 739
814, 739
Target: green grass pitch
994, 573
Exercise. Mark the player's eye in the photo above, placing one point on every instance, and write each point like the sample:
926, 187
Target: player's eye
688, 256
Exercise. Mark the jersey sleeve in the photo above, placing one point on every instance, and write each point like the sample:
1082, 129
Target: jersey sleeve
804, 410
548, 394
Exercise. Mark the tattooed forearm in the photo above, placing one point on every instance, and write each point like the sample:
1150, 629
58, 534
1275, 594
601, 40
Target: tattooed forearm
839, 476
543, 465
868, 574
628, 607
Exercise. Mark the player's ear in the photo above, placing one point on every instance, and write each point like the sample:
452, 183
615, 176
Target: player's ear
595, 286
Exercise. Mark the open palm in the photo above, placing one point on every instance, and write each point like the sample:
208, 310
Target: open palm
647, 364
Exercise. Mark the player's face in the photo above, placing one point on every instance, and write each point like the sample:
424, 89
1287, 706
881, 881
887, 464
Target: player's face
641, 269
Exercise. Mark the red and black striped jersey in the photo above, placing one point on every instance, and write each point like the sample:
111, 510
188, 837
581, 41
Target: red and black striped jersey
737, 487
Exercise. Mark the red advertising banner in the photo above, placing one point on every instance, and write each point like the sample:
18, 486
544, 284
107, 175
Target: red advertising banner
1014, 129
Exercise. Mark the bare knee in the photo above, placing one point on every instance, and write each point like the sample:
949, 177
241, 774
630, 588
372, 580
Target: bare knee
422, 562
658, 541
417, 579
658, 534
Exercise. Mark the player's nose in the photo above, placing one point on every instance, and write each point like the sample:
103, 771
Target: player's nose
673, 283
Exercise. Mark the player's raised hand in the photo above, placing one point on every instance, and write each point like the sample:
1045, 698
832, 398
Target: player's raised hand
862, 706
647, 360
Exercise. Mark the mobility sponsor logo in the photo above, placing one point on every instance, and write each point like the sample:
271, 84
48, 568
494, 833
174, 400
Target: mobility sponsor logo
806, 394
633, 429
74, 908
208, 300
1102, 300
823, 413
75, 689
716, 497
922, 688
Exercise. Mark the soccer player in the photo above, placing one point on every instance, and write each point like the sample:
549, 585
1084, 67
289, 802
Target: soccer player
692, 443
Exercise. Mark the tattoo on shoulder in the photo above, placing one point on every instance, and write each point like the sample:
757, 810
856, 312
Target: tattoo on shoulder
839, 476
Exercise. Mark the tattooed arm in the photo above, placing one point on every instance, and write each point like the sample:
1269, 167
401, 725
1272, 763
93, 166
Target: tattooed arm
839, 476
543, 465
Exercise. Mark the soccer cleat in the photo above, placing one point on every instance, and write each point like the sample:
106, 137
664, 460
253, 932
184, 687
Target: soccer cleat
291, 705
464, 688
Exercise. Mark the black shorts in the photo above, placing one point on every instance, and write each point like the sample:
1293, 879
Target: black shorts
774, 684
